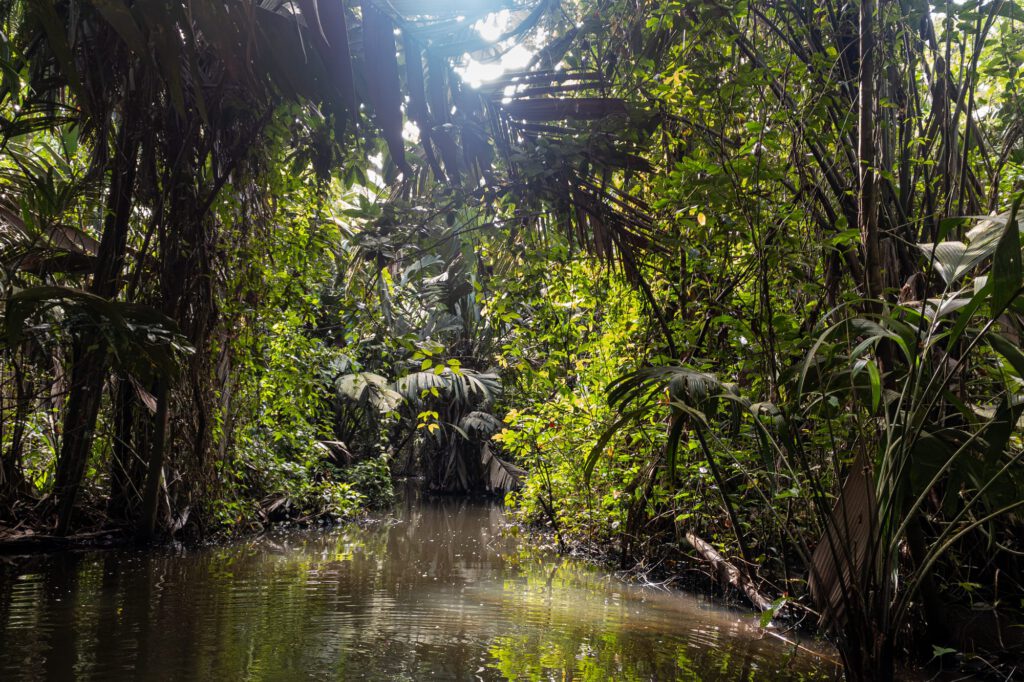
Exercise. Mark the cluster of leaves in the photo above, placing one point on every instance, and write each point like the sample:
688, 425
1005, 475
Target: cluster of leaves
790, 349
173, 179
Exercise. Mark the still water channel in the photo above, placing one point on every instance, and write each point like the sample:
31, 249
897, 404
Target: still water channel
439, 591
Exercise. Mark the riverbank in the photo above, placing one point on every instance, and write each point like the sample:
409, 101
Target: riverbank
697, 581
362, 488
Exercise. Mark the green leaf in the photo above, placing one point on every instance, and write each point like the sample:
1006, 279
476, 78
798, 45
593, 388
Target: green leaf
876, 384
1008, 350
1006, 265
769, 615
595, 452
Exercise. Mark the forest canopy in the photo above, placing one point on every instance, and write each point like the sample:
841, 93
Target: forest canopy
726, 285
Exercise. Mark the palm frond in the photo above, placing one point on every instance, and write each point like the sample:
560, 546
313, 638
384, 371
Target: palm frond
480, 425
499, 476
143, 341
466, 387
413, 385
699, 390
368, 388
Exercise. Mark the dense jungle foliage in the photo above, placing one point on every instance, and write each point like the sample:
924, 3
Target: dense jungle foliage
729, 287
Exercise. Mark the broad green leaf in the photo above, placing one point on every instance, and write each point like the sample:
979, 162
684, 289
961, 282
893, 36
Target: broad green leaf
1006, 265
1008, 350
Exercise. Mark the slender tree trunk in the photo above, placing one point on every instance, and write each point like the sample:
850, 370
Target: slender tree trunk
90, 360
83, 407
127, 471
11, 478
150, 498
867, 198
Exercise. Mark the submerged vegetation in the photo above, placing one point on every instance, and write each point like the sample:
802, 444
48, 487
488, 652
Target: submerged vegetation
732, 287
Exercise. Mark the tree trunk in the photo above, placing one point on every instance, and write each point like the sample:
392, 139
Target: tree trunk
12, 479
127, 469
867, 197
147, 521
728, 572
90, 360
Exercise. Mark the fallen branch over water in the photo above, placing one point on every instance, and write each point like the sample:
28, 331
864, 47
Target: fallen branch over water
729, 573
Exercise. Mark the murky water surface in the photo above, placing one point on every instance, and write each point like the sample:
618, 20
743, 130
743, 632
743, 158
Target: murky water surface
440, 593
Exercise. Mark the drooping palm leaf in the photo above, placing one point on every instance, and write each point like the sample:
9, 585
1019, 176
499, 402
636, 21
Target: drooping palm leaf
143, 341
466, 387
499, 476
480, 425
382, 84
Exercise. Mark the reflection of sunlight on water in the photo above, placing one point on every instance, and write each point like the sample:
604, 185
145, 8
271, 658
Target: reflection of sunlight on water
440, 593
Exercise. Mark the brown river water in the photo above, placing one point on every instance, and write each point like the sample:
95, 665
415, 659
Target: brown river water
439, 590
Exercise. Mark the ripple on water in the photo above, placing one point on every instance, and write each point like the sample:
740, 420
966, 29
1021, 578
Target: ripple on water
441, 593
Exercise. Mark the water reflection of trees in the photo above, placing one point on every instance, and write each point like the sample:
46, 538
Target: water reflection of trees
438, 593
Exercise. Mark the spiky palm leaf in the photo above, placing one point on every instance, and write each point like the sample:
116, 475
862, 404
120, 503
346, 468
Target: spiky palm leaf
41, 189
689, 392
695, 389
254, 51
